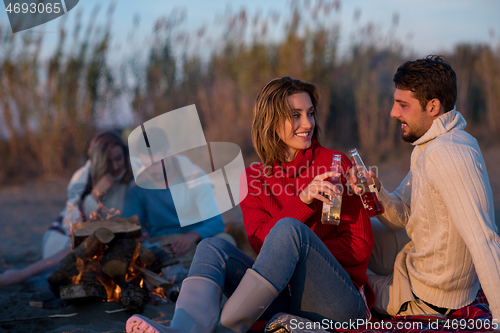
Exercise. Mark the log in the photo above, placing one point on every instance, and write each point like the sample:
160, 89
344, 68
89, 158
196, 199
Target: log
155, 279
164, 257
121, 227
79, 292
59, 278
134, 297
117, 258
94, 245
68, 264
146, 256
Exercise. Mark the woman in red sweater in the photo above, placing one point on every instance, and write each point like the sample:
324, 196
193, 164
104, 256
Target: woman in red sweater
304, 267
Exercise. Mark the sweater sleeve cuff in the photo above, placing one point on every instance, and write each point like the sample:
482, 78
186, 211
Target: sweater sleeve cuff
297, 209
383, 194
89, 205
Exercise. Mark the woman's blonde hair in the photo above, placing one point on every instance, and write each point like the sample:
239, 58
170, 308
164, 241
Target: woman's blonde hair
98, 153
270, 112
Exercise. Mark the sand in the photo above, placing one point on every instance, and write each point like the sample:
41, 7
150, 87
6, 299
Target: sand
26, 212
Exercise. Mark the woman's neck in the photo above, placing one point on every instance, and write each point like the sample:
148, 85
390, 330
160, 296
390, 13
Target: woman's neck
290, 155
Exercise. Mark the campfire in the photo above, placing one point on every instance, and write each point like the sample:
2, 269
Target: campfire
108, 264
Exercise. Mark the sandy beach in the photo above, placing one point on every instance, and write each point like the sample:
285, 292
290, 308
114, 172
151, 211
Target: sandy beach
26, 212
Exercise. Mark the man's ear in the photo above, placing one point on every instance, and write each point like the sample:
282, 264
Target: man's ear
434, 108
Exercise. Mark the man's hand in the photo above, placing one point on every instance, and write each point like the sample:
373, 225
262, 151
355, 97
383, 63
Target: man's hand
317, 187
144, 236
182, 243
375, 180
102, 186
371, 177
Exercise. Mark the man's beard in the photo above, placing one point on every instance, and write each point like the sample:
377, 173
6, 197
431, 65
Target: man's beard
410, 137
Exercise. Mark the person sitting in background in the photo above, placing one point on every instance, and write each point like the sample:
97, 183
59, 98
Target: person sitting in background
155, 207
95, 191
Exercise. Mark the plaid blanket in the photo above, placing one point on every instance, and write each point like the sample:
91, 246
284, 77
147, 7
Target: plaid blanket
473, 318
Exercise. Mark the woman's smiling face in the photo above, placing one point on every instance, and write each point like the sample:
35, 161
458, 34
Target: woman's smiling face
297, 135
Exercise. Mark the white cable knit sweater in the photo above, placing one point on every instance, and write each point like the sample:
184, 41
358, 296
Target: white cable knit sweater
446, 205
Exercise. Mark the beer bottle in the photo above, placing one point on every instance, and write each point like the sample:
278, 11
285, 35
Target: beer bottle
367, 189
331, 213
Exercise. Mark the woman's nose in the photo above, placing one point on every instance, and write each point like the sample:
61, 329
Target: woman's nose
305, 122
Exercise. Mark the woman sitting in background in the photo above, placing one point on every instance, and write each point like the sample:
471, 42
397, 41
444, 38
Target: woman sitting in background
95, 191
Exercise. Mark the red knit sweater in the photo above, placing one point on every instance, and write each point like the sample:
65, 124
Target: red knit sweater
271, 198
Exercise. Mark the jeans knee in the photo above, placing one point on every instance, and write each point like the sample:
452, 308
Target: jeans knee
211, 242
289, 227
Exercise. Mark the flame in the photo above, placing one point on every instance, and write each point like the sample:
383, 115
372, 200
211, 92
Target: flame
113, 291
94, 216
159, 292
112, 213
117, 294
80, 265
133, 272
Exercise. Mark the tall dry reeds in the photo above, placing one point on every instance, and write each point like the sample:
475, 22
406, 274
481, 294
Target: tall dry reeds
50, 107
489, 69
224, 84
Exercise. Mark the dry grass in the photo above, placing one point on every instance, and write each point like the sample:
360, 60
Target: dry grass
50, 107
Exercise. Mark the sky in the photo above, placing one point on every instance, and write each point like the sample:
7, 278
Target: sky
424, 26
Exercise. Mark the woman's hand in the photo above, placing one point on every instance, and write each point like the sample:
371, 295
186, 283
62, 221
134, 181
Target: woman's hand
102, 186
319, 186
12, 276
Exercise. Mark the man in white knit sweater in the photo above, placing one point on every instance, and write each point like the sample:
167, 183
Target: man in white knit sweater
445, 205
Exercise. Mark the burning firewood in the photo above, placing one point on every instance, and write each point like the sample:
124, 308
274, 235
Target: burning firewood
87, 291
121, 227
116, 260
165, 256
92, 246
109, 264
155, 279
146, 256
134, 297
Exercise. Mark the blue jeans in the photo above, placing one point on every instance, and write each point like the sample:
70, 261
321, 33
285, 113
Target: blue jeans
292, 255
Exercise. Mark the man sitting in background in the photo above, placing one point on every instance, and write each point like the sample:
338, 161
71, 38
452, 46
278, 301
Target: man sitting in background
155, 206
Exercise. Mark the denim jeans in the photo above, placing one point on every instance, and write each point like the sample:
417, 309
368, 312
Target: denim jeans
292, 255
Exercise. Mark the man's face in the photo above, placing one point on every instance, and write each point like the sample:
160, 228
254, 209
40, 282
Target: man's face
407, 110
155, 170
